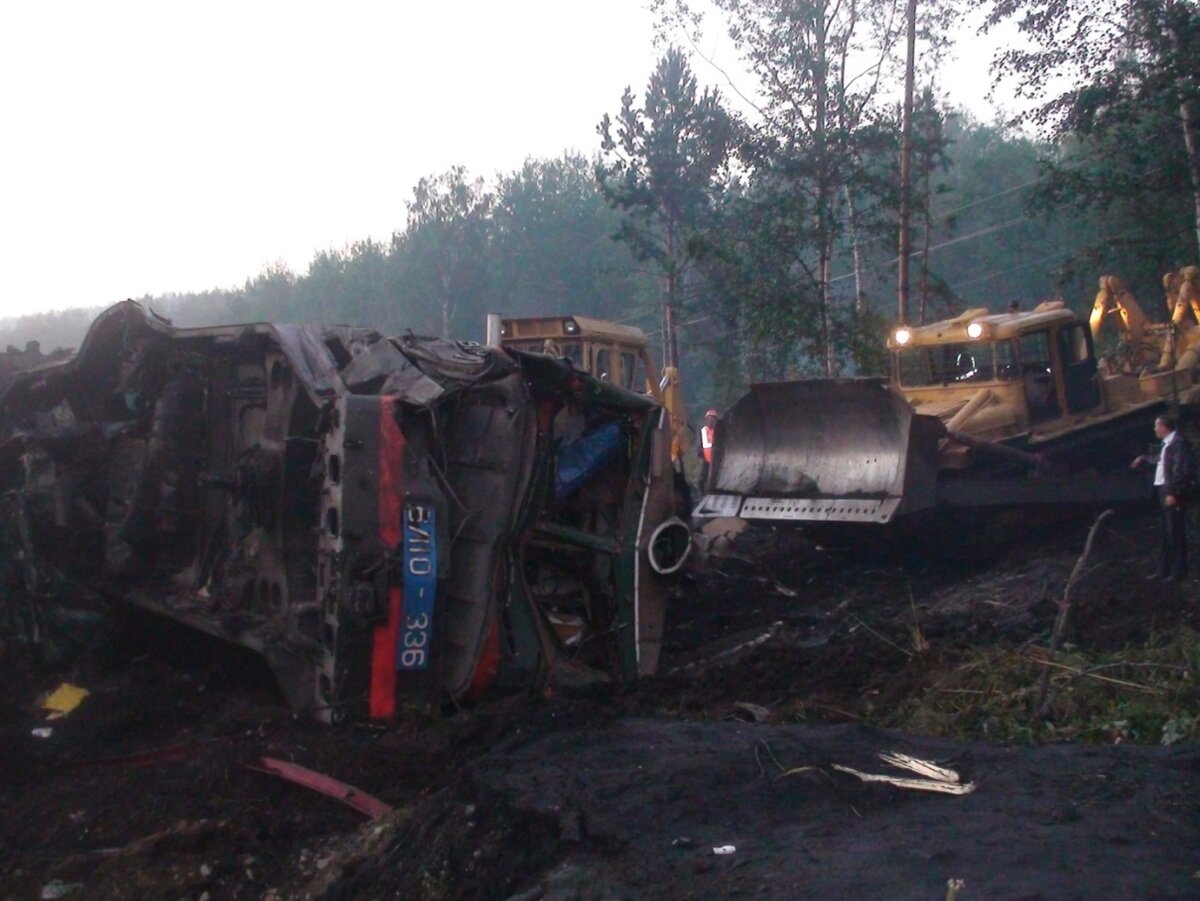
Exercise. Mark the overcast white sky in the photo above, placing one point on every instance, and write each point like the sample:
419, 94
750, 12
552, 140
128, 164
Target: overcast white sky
148, 147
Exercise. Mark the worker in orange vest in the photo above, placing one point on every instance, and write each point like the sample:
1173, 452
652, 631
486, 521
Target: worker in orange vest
708, 432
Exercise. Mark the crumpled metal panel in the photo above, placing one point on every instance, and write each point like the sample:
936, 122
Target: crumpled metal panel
315, 366
455, 361
489, 464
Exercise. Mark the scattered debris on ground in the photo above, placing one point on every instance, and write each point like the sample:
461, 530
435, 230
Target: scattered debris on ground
785, 665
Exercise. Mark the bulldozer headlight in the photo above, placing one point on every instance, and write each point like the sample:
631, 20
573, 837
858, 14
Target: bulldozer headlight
975, 330
570, 326
902, 336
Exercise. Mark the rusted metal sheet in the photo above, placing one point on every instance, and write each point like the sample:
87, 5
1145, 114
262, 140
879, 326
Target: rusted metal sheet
326, 785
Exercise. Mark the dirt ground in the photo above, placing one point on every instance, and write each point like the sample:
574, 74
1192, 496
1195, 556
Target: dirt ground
780, 662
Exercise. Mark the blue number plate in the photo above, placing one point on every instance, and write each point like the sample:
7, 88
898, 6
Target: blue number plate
420, 587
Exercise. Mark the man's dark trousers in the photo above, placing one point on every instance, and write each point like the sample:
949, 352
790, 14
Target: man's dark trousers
1174, 538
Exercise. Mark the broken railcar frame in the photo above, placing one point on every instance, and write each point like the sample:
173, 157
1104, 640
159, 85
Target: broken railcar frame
384, 520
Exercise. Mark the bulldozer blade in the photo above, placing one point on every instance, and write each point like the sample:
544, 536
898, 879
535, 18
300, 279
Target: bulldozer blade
822, 450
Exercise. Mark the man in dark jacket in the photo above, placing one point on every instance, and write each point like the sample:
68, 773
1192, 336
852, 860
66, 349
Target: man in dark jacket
1174, 476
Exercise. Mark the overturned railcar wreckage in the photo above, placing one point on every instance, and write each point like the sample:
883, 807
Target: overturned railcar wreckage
384, 520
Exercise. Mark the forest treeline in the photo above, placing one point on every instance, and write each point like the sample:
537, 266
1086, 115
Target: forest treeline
765, 230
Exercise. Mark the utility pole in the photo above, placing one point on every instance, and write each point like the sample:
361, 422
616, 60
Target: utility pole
670, 340
906, 160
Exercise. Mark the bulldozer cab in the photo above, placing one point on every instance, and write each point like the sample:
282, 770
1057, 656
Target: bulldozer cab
1037, 370
610, 352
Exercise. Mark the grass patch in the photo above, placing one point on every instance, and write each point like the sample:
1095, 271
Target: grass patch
1146, 694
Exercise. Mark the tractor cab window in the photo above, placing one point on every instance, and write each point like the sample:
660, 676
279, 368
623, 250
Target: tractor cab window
1079, 368
573, 351
1008, 368
555, 347
1072, 345
1037, 371
641, 378
947, 364
628, 367
1035, 352
603, 369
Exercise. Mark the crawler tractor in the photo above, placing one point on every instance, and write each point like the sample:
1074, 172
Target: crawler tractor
981, 410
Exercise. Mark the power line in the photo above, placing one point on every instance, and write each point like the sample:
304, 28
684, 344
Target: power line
636, 316
973, 203
1070, 164
958, 240
1010, 269
988, 229
1075, 163
1052, 209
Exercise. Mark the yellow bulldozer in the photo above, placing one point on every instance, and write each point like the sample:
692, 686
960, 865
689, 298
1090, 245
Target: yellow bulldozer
980, 410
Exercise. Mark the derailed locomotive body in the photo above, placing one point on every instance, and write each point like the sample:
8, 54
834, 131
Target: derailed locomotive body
385, 520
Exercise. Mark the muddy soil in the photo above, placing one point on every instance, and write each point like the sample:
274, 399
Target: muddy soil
639, 807
144, 791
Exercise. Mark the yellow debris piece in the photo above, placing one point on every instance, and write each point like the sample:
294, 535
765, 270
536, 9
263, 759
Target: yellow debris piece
65, 698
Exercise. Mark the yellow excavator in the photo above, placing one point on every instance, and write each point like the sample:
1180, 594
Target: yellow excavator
983, 409
1150, 347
